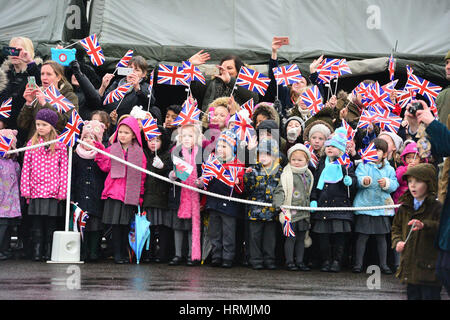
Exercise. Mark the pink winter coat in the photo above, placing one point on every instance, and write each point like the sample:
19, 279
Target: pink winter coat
44, 174
116, 188
403, 184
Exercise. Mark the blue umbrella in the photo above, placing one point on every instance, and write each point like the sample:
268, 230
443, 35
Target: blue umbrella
139, 234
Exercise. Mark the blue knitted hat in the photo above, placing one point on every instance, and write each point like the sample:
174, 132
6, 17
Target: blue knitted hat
338, 139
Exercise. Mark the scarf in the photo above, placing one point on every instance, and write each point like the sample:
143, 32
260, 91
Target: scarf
190, 202
287, 181
332, 173
133, 177
85, 154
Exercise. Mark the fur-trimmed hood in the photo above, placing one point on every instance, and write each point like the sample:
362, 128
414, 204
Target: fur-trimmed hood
4, 69
269, 109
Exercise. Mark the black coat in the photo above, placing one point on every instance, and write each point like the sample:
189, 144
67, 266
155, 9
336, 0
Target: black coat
88, 97
157, 191
333, 195
15, 87
131, 99
88, 182
231, 208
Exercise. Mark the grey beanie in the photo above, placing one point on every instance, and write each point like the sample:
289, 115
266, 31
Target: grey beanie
269, 146
298, 147
398, 142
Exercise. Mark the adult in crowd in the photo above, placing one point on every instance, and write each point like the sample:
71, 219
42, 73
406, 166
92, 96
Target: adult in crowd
439, 138
220, 85
52, 73
14, 73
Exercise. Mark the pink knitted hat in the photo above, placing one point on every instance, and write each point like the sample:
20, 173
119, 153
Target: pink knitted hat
94, 128
11, 134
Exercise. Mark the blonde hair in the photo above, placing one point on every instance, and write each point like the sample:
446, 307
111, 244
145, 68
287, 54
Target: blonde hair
197, 132
219, 102
52, 136
27, 44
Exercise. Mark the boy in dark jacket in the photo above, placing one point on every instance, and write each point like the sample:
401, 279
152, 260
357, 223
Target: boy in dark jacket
223, 214
260, 183
420, 211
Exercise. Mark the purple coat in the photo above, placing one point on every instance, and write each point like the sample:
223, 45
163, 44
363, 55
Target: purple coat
9, 188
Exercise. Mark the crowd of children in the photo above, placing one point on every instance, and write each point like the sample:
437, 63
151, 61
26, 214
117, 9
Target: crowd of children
296, 163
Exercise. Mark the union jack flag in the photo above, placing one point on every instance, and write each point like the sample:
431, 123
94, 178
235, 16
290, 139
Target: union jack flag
286, 75
390, 86
367, 117
369, 154
5, 108
314, 159
378, 97
343, 68
172, 75
423, 87
391, 67
72, 130
361, 89
312, 99
57, 100
344, 161
405, 97
123, 63
409, 70
82, 222
243, 129
151, 81
150, 128
287, 225
214, 169
93, 50
328, 69
193, 72
249, 106
117, 94
5, 145
381, 112
252, 80
391, 123
350, 132
189, 114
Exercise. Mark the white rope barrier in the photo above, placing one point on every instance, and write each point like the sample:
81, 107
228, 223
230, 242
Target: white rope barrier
229, 198
257, 203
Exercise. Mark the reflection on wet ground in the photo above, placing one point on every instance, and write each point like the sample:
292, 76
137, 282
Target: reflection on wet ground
22, 279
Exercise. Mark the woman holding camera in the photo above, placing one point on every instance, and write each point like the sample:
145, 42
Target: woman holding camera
14, 73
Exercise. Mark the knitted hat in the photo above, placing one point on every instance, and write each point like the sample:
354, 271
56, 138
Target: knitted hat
300, 120
94, 128
447, 56
48, 116
299, 147
229, 137
338, 139
11, 134
398, 142
317, 126
269, 146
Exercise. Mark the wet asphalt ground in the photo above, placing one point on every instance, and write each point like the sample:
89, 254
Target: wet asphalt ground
27, 280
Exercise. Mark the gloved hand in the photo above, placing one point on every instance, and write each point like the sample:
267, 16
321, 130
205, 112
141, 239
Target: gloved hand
75, 66
172, 176
99, 145
157, 163
348, 181
313, 204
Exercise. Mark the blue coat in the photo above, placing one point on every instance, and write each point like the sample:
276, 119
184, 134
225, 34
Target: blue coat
374, 195
439, 137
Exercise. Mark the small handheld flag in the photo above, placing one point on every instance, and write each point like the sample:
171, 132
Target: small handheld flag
93, 49
5, 145
252, 80
287, 225
123, 63
150, 128
287, 75
5, 108
72, 130
193, 72
369, 154
57, 100
189, 114
172, 75
249, 106
117, 94
313, 100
